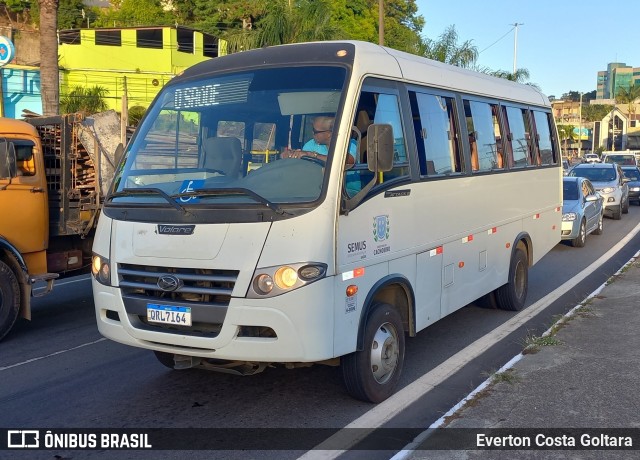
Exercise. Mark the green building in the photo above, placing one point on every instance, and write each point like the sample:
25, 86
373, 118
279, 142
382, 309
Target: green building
141, 58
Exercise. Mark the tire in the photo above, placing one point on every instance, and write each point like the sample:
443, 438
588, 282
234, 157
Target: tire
372, 373
512, 295
9, 299
578, 241
166, 359
617, 213
600, 228
625, 206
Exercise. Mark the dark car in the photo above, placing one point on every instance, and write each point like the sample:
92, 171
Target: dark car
609, 181
633, 174
582, 210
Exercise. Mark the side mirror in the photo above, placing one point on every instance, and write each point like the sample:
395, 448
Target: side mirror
380, 147
8, 168
625, 180
589, 198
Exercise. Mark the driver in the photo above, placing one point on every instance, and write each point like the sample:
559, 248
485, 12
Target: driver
318, 146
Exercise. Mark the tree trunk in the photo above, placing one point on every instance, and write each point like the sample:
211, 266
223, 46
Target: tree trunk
49, 83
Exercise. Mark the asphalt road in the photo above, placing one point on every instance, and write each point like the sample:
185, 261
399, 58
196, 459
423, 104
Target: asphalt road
58, 372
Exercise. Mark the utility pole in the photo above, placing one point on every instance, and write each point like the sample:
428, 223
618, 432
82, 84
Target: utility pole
515, 45
580, 128
381, 22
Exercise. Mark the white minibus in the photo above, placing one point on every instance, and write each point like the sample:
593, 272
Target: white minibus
320, 202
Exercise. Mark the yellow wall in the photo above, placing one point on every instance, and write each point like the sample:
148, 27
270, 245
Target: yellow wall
146, 69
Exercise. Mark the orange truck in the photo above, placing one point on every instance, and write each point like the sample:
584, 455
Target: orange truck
50, 195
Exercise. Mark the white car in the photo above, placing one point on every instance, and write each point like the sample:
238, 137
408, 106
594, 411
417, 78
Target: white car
591, 158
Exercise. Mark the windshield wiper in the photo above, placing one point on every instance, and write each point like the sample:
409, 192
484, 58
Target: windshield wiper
147, 191
232, 191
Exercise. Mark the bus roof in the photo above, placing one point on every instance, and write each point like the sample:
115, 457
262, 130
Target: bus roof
371, 59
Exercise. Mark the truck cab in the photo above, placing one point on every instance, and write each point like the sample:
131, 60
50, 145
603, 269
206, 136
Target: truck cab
24, 227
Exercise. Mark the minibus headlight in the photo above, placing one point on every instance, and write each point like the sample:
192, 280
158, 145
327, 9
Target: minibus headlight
286, 277
273, 281
101, 270
569, 217
263, 284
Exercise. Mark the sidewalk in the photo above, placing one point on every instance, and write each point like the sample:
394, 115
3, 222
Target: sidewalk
587, 375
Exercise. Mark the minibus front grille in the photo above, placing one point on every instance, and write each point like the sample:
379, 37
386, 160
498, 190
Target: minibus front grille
194, 286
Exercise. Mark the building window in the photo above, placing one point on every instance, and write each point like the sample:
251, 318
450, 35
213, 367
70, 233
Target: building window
69, 37
108, 37
149, 38
210, 45
185, 40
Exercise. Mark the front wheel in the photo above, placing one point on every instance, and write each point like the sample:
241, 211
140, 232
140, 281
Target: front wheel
512, 295
578, 241
9, 299
617, 213
372, 373
600, 228
625, 206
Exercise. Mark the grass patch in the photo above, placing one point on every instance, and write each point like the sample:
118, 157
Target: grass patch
533, 343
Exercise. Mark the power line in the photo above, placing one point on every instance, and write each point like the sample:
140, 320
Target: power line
508, 32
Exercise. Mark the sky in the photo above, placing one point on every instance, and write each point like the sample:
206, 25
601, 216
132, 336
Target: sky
563, 44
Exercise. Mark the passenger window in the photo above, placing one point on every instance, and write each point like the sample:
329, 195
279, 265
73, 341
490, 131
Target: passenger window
263, 148
481, 119
377, 107
26, 165
231, 129
545, 142
517, 139
436, 134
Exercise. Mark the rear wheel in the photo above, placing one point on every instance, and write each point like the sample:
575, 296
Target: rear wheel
512, 295
9, 299
373, 373
579, 240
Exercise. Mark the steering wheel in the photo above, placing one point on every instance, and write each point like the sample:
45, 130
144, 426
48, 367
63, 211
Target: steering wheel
317, 161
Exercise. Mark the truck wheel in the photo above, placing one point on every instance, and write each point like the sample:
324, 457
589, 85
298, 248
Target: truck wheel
9, 299
373, 373
512, 295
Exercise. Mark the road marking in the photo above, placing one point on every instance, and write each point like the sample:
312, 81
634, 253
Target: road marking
386, 410
51, 354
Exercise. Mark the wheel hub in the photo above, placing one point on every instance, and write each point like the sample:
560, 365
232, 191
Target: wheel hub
384, 353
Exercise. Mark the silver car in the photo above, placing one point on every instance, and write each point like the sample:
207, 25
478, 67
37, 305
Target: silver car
610, 182
582, 210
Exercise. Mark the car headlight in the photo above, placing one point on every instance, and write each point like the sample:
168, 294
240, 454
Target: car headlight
635, 189
607, 190
101, 269
273, 281
569, 217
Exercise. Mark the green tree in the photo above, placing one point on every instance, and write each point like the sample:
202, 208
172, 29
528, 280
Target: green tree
628, 96
131, 13
447, 49
520, 76
84, 100
283, 22
567, 133
595, 112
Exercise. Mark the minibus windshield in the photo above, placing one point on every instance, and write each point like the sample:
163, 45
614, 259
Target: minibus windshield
230, 132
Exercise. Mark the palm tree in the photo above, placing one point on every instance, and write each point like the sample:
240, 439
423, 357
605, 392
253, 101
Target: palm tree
285, 21
446, 49
628, 96
567, 133
49, 56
